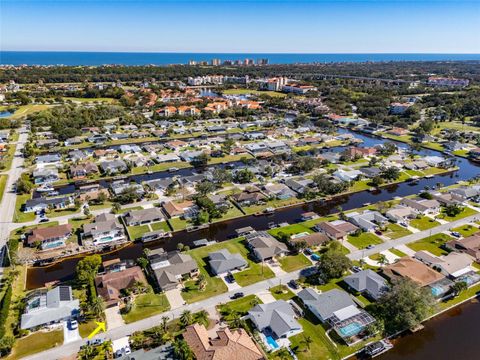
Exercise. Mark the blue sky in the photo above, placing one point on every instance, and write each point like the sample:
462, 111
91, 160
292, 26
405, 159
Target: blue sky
342, 26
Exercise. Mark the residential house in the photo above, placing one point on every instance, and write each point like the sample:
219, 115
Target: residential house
83, 170
276, 319
299, 185
110, 285
49, 159
368, 220
113, 166
45, 175
250, 196
412, 269
186, 209
229, 344
49, 237
399, 108
422, 206
367, 282
220, 201
144, 216
105, 229
359, 152
347, 176
41, 204
171, 268
337, 309
45, 308
453, 265
222, 262
310, 215
401, 213
264, 246
279, 191
336, 230
469, 245
312, 241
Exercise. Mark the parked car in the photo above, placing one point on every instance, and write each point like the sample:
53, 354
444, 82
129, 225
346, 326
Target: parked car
315, 257
42, 220
237, 295
403, 224
370, 246
378, 232
293, 284
230, 278
73, 324
308, 251
95, 342
456, 234
356, 269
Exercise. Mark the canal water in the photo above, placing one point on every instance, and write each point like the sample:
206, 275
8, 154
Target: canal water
450, 336
64, 270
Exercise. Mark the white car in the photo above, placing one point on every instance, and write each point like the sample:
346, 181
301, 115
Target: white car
73, 324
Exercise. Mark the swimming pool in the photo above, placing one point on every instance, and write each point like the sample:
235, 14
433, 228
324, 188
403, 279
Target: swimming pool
272, 343
350, 329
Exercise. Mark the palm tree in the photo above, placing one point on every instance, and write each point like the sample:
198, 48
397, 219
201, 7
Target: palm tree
255, 301
186, 318
307, 340
97, 306
283, 354
235, 319
182, 351
201, 282
142, 262
382, 260
202, 317
164, 323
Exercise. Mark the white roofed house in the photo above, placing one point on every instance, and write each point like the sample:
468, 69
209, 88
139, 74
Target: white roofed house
347, 175
45, 308
368, 220
337, 309
401, 213
276, 322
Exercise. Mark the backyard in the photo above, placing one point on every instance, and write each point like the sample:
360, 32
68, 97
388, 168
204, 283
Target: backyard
291, 263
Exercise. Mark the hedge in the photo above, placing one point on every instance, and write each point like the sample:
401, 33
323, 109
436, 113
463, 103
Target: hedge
4, 309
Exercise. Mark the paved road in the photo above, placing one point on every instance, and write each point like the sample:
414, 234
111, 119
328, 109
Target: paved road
71, 348
9, 197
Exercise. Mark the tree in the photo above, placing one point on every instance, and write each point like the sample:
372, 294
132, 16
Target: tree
202, 318
205, 187
382, 260
202, 217
390, 173
389, 148
307, 340
6, 344
24, 185
142, 262
186, 318
458, 287
182, 351
243, 176
97, 306
404, 306
87, 268
116, 207
221, 176
452, 210
333, 263
164, 323
200, 160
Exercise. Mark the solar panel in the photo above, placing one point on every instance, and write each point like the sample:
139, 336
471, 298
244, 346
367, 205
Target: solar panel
64, 293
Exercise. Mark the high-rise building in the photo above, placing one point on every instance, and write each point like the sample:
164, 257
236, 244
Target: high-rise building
216, 62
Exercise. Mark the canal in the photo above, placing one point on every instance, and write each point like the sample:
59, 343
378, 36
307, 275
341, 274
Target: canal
64, 270
450, 336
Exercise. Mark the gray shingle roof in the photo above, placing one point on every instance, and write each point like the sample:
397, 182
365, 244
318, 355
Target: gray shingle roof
367, 280
223, 261
278, 316
327, 303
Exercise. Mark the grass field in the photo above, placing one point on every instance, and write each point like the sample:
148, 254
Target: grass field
136, 232
20, 216
147, 305
395, 231
242, 305
424, 223
3, 183
466, 230
291, 263
431, 244
397, 252
465, 212
28, 109
363, 240
282, 292
35, 343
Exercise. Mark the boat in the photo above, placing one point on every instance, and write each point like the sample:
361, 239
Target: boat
269, 210
197, 227
429, 176
377, 348
173, 169
45, 188
272, 225
367, 204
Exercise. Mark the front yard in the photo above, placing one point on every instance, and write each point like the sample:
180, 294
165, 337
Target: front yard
466, 230
35, 343
431, 244
364, 239
291, 263
465, 212
147, 305
424, 223
395, 231
19, 215
282, 292
241, 306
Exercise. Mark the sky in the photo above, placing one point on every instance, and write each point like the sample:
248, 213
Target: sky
265, 26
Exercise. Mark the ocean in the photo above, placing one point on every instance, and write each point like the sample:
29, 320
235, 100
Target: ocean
128, 58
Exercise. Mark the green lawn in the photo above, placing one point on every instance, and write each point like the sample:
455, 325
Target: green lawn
3, 183
290, 230
178, 223
424, 223
281, 292
256, 272
86, 328
161, 225
466, 230
36, 342
397, 252
136, 232
291, 263
431, 244
233, 212
242, 305
147, 305
20, 216
465, 212
395, 231
363, 240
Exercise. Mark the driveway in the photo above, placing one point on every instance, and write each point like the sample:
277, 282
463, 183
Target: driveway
174, 297
266, 296
230, 286
70, 335
275, 267
114, 319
